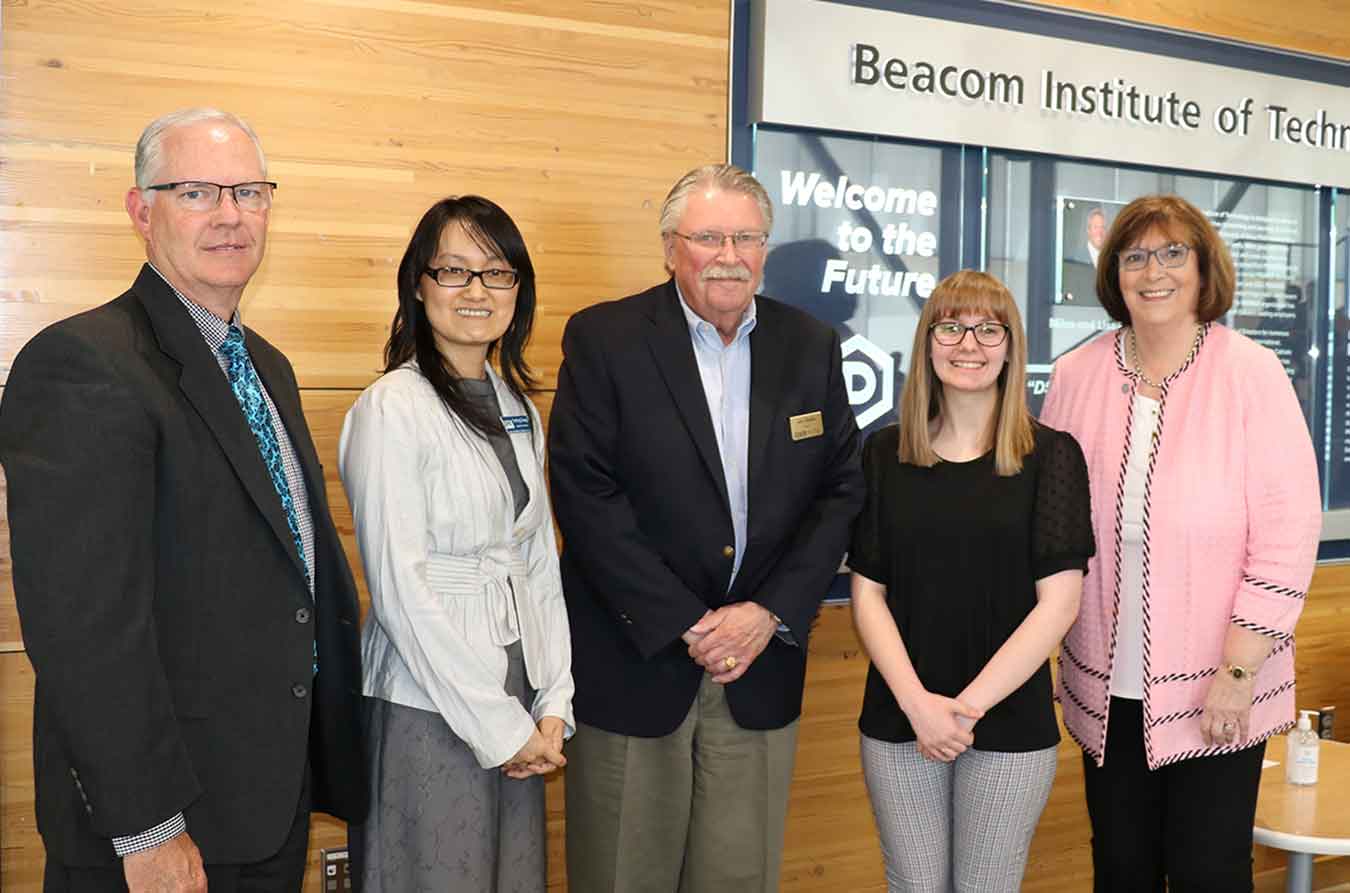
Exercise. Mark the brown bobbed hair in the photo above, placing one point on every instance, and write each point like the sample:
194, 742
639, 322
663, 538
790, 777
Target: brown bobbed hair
1010, 430
1181, 221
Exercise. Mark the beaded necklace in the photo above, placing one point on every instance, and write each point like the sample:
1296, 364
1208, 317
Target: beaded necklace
1139, 371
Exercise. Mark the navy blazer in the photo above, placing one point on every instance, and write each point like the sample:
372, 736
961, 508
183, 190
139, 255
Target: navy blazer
163, 603
640, 497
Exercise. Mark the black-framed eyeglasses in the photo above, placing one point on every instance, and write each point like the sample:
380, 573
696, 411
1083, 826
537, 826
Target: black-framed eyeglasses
198, 195
950, 334
1171, 255
710, 240
459, 277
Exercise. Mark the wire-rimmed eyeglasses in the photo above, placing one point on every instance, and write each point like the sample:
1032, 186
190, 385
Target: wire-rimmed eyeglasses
198, 195
1172, 255
710, 240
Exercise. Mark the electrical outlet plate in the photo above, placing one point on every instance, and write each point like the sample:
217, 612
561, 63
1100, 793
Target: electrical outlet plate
1326, 719
337, 870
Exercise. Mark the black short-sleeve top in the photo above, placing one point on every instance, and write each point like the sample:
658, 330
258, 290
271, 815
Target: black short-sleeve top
959, 550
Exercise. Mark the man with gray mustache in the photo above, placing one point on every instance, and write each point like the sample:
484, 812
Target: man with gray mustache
705, 472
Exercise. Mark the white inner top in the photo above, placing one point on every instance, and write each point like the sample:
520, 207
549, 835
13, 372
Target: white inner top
1127, 675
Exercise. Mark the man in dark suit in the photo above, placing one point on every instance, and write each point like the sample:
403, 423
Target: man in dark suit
705, 474
1079, 274
184, 599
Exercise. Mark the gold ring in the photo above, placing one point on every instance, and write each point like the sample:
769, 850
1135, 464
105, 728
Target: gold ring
729, 662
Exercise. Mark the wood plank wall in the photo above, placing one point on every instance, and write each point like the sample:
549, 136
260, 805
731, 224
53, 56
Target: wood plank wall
576, 116
1306, 26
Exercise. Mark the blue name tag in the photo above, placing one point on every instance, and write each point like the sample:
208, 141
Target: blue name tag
516, 424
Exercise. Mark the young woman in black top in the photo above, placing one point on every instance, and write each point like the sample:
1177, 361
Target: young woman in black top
968, 562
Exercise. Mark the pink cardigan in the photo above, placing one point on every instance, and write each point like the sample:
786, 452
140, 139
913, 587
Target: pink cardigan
1232, 514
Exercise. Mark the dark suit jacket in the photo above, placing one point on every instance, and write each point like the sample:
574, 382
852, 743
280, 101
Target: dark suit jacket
163, 603
1079, 284
640, 496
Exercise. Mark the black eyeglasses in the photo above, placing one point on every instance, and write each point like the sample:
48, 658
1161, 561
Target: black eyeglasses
1172, 255
198, 195
950, 334
460, 277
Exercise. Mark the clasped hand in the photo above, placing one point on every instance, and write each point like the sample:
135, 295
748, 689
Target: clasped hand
943, 727
541, 754
726, 642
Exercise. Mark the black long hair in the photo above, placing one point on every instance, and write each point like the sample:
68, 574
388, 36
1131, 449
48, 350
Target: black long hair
411, 337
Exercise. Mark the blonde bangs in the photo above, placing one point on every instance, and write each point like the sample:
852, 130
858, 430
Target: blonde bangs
971, 297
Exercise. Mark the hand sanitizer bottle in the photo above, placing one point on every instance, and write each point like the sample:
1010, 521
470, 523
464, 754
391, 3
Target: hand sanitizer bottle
1300, 753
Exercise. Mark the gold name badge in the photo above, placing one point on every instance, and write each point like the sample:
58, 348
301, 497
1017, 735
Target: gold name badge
808, 424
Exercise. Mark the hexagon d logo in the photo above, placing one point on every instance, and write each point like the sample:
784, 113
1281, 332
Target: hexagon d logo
869, 376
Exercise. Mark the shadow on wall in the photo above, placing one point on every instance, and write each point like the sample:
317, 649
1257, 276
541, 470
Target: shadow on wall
793, 274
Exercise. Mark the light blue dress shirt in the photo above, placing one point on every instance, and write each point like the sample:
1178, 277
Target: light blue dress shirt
725, 371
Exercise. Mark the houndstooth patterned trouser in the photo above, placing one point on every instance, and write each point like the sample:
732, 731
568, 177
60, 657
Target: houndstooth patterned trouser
958, 826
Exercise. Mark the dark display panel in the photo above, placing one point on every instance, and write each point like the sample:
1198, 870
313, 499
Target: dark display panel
861, 236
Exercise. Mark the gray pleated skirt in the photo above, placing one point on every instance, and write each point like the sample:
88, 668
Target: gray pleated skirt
437, 821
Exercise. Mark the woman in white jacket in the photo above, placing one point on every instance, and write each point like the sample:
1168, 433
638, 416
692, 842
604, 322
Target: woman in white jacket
466, 652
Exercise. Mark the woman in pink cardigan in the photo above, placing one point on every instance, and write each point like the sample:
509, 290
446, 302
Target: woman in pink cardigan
1206, 512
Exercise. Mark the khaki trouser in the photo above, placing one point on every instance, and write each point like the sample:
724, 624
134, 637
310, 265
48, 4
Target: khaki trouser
701, 810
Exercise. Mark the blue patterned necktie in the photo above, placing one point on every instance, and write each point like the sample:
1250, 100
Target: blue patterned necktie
248, 391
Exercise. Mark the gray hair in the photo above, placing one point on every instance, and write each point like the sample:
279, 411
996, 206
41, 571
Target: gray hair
150, 147
727, 177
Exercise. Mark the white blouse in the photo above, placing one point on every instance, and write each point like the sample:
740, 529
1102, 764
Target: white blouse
454, 577
1127, 670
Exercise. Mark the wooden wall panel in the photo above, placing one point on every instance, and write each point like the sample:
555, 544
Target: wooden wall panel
575, 121
1307, 26
20, 847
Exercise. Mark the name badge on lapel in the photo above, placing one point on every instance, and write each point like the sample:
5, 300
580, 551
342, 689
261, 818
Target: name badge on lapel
806, 425
516, 424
